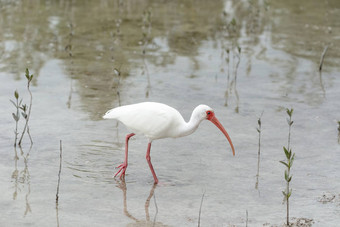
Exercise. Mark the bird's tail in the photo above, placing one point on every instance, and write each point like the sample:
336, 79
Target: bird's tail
111, 114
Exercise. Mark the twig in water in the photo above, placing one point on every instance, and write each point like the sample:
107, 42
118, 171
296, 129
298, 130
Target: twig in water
259, 152
234, 80
246, 218
322, 57
339, 132
57, 194
199, 213
236, 93
228, 77
146, 31
24, 107
61, 156
321, 83
118, 73
68, 47
68, 103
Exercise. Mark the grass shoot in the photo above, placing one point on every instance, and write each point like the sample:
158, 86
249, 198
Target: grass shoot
288, 164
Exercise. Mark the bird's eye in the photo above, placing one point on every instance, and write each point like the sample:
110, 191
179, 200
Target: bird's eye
208, 112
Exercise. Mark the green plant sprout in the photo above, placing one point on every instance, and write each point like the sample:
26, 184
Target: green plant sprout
24, 113
16, 116
289, 163
290, 122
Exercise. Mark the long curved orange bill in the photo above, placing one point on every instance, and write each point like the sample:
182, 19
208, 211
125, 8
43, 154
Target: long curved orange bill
219, 125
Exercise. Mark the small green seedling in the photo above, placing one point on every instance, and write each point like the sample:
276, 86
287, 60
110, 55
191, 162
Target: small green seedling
289, 163
290, 123
16, 116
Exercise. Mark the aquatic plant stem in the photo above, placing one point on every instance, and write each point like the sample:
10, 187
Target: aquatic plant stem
16, 127
322, 57
16, 116
289, 130
29, 79
287, 199
118, 73
61, 157
57, 194
339, 132
289, 162
259, 152
199, 213
236, 68
288, 178
288, 167
226, 95
146, 31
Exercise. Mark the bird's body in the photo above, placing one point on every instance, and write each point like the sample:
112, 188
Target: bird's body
157, 121
153, 120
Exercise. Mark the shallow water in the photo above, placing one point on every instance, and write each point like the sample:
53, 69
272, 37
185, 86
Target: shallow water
183, 54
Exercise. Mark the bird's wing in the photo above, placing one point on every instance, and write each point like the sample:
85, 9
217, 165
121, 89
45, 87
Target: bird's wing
151, 119
151, 123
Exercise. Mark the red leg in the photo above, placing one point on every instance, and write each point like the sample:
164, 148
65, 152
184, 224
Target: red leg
122, 167
148, 158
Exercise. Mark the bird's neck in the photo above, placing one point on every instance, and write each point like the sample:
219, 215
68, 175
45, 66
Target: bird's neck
191, 126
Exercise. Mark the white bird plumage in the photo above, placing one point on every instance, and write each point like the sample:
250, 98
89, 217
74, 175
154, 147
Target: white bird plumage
157, 121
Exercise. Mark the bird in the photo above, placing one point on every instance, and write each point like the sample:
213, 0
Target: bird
157, 121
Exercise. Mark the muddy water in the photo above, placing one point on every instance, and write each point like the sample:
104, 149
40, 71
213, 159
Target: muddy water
243, 58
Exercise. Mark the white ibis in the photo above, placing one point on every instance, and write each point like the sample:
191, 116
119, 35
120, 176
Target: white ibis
157, 121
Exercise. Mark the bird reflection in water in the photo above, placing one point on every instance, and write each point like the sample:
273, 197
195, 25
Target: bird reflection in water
147, 222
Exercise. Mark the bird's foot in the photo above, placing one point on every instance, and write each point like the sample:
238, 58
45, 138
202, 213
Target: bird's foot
122, 168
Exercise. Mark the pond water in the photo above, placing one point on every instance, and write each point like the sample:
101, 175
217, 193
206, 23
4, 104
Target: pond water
245, 59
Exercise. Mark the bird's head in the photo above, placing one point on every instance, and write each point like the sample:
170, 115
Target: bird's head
204, 112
